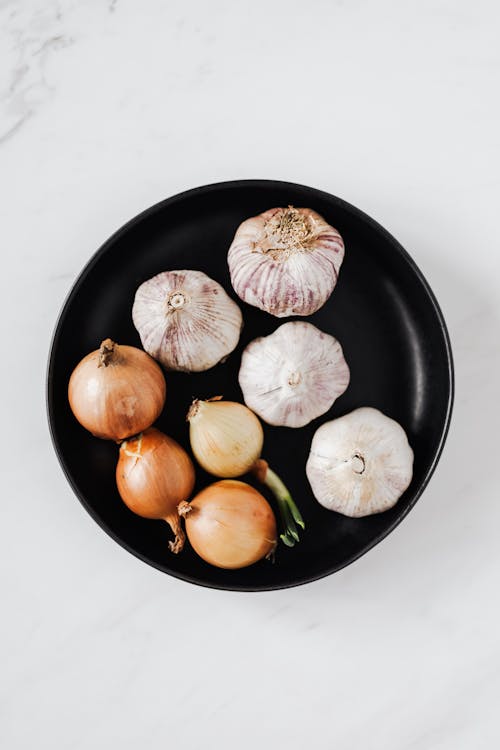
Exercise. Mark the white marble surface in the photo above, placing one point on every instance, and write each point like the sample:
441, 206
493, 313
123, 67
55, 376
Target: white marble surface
107, 107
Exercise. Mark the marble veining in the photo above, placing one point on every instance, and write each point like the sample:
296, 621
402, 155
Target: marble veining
30, 41
109, 106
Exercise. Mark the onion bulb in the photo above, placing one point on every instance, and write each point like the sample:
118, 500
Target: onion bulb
230, 525
154, 474
116, 391
227, 439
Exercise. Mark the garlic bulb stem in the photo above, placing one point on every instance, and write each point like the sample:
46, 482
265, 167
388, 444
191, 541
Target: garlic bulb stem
358, 464
289, 513
177, 300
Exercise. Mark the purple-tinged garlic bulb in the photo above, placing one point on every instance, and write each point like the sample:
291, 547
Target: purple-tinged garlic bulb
360, 464
294, 375
285, 261
186, 320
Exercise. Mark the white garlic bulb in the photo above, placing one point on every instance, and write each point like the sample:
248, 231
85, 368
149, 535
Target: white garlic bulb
294, 375
186, 320
360, 464
285, 261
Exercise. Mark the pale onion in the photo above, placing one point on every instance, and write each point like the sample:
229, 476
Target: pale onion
116, 391
227, 439
186, 320
360, 464
294, 375
285, 261
230, 525
153, 475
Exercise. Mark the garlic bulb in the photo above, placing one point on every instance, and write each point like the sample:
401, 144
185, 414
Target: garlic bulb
285, 261
360, 464
294, 375
186, 320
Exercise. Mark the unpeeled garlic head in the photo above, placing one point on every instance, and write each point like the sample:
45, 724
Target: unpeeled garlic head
186, 320
294, 375
360, 464
285, 261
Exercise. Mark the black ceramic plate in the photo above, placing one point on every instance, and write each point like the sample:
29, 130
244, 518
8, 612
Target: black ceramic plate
382, 311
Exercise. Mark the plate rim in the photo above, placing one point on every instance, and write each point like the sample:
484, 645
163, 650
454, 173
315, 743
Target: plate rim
179, 197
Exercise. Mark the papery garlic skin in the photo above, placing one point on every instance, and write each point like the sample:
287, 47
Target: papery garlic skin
285, 261
186, 320
294, 375
226, 437
360, 464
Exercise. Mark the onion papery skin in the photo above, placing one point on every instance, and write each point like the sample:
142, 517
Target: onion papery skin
153, 475
230, 525
226, 437
120, 396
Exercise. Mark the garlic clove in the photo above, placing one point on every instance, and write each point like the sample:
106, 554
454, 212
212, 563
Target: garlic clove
285, 261
360, 464
294, 375
186, 320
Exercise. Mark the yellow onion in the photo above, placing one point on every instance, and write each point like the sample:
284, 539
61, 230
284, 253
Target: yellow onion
153, 475
227, 439
116, 391
230, 525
